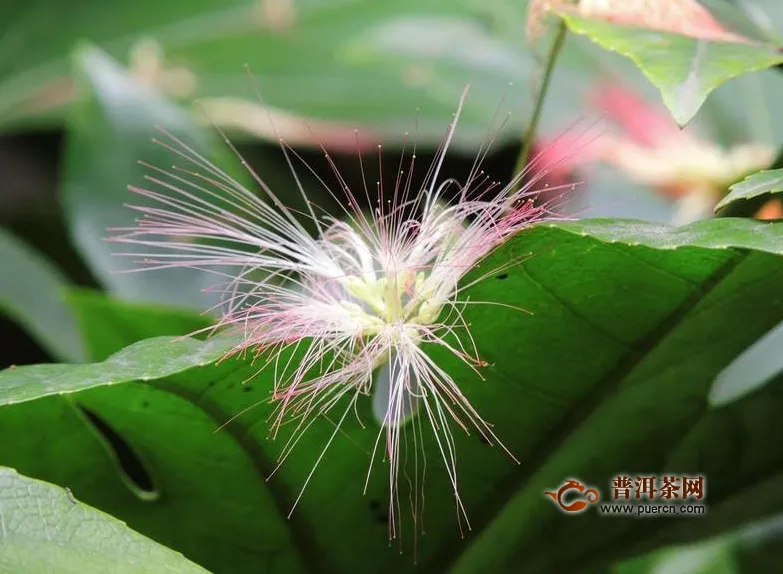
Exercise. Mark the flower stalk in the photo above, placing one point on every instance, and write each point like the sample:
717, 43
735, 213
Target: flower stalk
532, 127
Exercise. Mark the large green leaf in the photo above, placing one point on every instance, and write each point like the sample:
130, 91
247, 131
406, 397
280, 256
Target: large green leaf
757, 365
762, 183
32, 292
44, 529
609, 375
721, 234
684, 69
108, 325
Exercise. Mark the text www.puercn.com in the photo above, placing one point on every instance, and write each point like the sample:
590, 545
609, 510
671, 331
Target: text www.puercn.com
652, 509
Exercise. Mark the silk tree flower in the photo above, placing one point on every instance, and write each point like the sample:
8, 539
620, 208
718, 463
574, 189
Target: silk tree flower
651, 149
345, 313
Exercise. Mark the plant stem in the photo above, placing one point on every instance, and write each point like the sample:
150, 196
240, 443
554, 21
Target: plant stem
530, 133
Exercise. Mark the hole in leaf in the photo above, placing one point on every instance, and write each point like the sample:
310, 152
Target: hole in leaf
248, 388
502, 276
379, 511
130, 464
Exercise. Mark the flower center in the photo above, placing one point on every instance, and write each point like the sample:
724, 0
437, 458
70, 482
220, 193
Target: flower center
394, 299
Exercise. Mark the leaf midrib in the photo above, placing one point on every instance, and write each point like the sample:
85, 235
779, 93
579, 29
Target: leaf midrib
446, 561
774, 185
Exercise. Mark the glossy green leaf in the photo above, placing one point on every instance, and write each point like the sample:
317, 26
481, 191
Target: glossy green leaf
44, 529
765, 182
757, 365
720, 234
108, 325
147, 360
684, 69
32, 292
610, 374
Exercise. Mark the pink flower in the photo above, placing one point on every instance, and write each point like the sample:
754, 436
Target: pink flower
354, 304
650, 148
